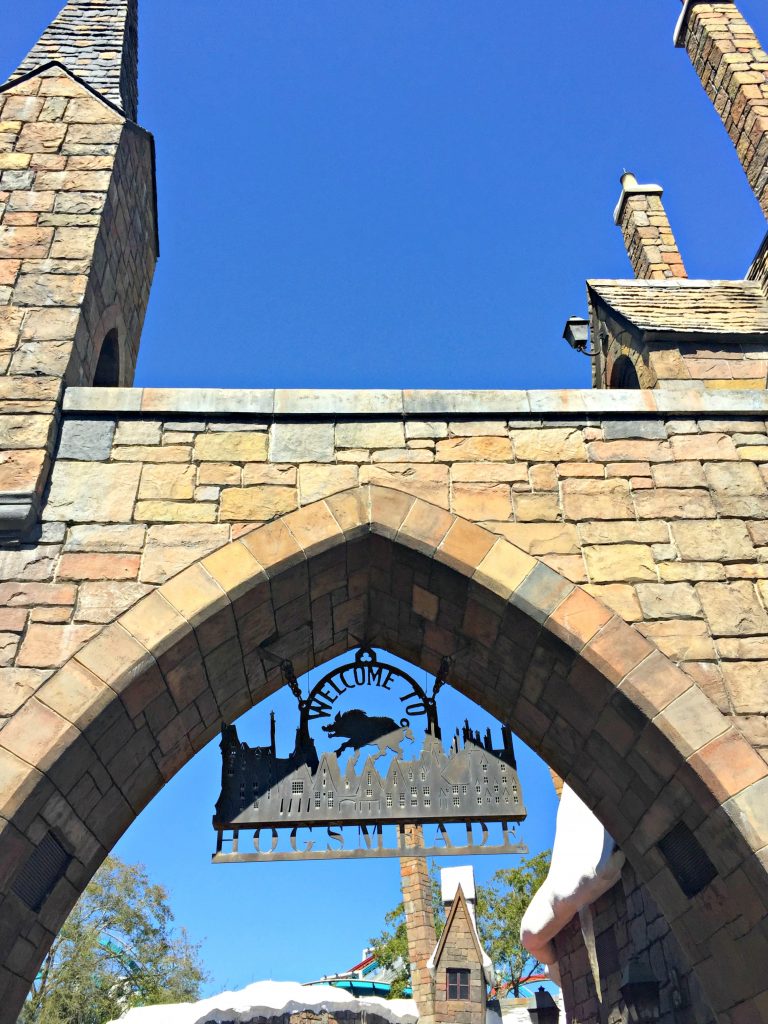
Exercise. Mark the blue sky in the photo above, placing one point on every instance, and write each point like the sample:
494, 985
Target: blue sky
391, 195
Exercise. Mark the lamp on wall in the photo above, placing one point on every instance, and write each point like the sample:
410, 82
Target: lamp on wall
640, 992
543, 1009
576, 333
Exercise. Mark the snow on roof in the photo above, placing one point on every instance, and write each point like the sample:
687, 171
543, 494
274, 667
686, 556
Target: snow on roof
267, 999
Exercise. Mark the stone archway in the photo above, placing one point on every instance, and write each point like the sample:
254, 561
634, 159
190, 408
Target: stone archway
632, 733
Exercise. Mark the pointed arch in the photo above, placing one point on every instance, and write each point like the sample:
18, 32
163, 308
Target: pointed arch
633, 735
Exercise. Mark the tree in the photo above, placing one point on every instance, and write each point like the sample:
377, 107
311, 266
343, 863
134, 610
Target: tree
500, 909
117, 949
391, 947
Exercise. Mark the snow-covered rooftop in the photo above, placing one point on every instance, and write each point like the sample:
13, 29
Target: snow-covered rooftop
271, 999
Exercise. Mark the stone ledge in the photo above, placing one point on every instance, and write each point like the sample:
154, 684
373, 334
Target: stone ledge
304, 404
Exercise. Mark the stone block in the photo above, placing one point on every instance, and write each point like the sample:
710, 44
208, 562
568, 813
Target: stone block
541, 538
474, 449
430, 483
103, 601
231, 447
733, 609
747, 685
734, 478
105, 538
32, 564
174, 512
503, 569
47, 646
559, 444
725, 541
152, 453
167, 482
668, 601
86, 440
536, 507
98, 566
256, 503
597, 499
170, 549
680, 639
614, 430
265, 473
481, 501
679, 474
370, 434
26, 243
138, 432
222, 474
620, 563
87, 492
704, 447
50, 289
301, 442
624, 532
20, 432
691, 721
489, 472
631, 451
320, 481
674, 503
619, 597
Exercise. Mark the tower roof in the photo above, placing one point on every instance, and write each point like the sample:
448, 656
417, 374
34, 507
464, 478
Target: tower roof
96, 40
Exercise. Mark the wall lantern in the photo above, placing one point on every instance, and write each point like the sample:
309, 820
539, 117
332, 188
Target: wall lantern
543, 1009
640, 992
576, 333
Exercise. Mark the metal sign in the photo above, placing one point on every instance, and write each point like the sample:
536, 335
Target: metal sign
305, 806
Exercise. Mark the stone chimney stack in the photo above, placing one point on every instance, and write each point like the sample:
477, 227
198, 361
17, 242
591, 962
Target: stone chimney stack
420, 923
648, 237
733, 68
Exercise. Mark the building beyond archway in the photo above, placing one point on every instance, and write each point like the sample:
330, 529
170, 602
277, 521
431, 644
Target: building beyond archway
593, 561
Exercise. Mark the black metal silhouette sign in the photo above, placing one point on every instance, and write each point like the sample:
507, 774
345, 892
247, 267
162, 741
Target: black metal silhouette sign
304, 806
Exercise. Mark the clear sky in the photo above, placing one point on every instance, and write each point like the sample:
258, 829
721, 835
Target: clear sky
399, 194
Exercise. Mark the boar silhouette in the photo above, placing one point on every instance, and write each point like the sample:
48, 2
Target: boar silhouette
362, 730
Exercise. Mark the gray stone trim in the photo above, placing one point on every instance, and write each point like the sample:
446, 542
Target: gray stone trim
301, 404
18, 514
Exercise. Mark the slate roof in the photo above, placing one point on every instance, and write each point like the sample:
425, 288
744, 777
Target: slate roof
686, 307
97, 41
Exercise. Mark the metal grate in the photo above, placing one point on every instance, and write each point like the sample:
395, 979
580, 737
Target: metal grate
607, 952
687, 860
46, 865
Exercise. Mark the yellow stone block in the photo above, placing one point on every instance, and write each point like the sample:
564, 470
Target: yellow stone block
504, 568
231, 447
620, 563
14, 161
174, 512
167, 483
256, 503
194, 594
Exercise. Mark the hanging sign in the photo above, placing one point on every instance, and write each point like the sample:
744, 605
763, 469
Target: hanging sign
307, 806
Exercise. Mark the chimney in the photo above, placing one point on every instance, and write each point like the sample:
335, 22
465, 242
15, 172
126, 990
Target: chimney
733, 68
451, 879
648, 237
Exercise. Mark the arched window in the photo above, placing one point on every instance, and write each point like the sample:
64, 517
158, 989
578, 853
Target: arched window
108, 367
624, 374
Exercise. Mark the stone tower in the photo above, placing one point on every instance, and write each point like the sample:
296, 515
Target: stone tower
78, 234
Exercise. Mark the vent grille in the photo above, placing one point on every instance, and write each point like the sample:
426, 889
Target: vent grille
44, 868
687, 860
607, 952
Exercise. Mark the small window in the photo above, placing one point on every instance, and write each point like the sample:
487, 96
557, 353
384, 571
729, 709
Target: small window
370, 778
389, 799
330, 799
426, 791
427, 801
457, 983
369, 791
317, 800
108, 367
402, 799
297, 788
457, 801
463, 790
455, 790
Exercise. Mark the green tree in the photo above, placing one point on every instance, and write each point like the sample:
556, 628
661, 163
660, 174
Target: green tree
391, 947
117, 949
500, 909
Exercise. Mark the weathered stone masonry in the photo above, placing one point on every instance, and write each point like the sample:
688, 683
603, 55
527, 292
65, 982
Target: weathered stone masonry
594, 563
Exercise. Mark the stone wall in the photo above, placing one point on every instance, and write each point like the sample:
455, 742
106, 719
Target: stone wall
661, 516
648, 236
711, 363
626, 924
758, 271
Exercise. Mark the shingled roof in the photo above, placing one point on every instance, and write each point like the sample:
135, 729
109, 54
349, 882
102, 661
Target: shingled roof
684, 307
97, 41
